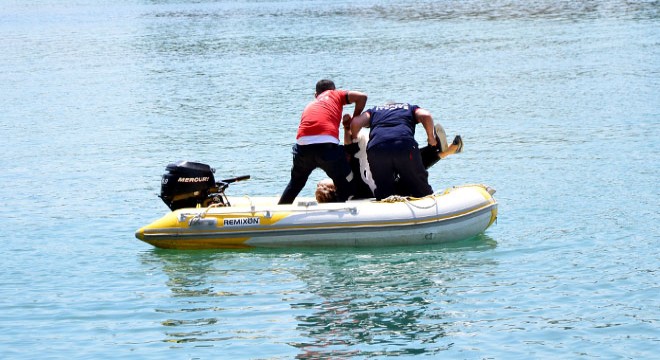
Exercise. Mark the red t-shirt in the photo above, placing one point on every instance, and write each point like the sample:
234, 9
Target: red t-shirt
323, 115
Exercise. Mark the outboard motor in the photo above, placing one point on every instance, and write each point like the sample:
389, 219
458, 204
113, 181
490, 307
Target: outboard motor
187, 184
191, 184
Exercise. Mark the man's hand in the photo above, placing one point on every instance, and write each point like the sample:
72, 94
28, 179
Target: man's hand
346, 121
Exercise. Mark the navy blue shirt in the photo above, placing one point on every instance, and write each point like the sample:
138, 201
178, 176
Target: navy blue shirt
392, 122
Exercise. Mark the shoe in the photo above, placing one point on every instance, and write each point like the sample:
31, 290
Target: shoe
458, 141
440, 137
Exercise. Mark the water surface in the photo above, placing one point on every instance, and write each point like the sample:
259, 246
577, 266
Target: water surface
557, 103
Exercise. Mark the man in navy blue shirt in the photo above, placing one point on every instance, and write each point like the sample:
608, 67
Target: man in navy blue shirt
392, 149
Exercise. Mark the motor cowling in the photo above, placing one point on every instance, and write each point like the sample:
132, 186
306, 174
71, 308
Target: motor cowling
187, 184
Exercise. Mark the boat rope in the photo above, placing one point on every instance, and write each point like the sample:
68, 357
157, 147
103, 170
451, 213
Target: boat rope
409, 200
394, 199
488, 189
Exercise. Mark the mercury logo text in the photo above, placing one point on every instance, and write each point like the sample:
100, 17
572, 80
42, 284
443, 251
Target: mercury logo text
194, 179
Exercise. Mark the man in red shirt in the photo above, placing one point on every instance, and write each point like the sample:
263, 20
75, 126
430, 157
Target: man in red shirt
317, 141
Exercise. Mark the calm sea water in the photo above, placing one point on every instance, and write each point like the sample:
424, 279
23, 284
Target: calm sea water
558, 104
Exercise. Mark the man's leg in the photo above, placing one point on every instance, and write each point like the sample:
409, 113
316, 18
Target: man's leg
332, 160
300, 170
430, 155
382, 170
413, 176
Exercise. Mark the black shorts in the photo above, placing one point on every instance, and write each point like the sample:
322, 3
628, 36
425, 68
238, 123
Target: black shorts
398, 158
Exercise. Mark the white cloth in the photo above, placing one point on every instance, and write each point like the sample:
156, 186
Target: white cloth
361, 155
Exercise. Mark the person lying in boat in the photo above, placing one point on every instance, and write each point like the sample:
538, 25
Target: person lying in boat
357, 155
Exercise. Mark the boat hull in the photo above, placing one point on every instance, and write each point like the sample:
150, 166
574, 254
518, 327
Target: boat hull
455, 214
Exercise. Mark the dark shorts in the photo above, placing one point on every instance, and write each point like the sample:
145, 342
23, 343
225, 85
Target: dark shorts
401, 159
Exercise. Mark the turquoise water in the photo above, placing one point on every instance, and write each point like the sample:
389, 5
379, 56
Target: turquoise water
557, 102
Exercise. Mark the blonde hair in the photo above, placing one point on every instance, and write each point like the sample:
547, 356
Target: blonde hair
325, 191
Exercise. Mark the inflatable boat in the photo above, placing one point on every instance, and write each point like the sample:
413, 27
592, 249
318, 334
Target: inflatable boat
203, 217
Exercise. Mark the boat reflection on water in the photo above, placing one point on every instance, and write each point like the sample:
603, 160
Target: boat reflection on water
313, 303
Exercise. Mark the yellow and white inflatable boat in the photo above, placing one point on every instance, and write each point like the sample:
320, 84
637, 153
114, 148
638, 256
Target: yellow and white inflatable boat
457, 213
